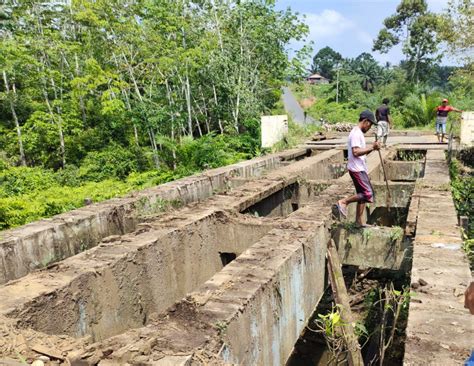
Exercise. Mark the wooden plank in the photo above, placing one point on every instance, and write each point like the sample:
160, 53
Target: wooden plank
342, 298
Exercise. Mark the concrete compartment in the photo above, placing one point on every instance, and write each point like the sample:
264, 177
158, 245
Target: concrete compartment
122, 284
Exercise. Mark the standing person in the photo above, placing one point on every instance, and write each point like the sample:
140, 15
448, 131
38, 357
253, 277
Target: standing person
357, 166
384, 122
441, 118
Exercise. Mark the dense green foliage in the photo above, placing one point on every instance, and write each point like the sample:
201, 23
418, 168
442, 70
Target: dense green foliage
462, 187
98, 97
417, 29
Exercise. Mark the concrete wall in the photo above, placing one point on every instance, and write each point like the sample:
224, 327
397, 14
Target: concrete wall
273, 128
404, 170
377, 247
47, 241
467, 129
250, 313
439, 329
265, 331
118, 285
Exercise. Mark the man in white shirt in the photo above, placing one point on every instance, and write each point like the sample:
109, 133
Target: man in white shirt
357, 166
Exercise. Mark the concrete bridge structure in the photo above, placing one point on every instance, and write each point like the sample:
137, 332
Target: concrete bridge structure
226, 267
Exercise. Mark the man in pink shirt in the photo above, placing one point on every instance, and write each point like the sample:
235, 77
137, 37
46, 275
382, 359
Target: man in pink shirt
357, 166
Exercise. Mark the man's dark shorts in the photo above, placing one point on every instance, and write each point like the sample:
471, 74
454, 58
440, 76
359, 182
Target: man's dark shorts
364, 189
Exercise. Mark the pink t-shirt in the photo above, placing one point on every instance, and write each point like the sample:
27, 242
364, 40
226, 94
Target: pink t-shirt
356, 139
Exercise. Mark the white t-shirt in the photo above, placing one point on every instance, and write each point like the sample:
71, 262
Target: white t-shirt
356, 139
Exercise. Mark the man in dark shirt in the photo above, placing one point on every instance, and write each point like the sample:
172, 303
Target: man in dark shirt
383, 121
441, 118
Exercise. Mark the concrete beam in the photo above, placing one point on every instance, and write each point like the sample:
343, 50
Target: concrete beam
41, 243
404, 170
437, 320
377, 247
120, 283
250, 313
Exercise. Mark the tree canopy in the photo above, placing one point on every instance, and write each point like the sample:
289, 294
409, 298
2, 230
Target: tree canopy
325, 61
417, 29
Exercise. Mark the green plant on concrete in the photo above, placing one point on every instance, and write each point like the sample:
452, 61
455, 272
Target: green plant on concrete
22, 359
396, 234
409, 155
366, 234
221, 327
462, 190
350, 226
468, 246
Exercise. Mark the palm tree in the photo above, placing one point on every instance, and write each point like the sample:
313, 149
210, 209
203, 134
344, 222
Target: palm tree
370, 73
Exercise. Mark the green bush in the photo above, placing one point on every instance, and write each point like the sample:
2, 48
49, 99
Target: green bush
419, 110
462, 188
21, 209
22, 180
113, 162
209, 151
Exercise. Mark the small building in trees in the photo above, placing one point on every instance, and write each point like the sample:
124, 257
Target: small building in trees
317, 79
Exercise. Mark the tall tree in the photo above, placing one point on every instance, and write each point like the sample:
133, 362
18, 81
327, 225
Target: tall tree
417, 29
325, 62
458, 29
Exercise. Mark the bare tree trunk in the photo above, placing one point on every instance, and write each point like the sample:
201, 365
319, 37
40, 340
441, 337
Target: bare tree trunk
188, 103
62, 148
218, 26
217, 105
171, 103
15, 117
60, 129
204, 110
129, 107
127, 103
239, 83
81, 99
154, 147
198, 126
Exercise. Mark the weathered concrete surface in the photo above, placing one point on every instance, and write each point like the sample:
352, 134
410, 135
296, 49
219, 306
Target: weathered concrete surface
250, 313
377, 247
439, 331
268, 196
369, 138
121, 283
404, 170
44, 242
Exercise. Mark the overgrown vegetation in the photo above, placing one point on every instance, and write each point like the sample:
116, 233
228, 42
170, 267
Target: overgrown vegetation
415, 86
100, 98
380, 324
461, 171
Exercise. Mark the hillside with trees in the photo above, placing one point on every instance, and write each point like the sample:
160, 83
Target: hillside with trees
99, 98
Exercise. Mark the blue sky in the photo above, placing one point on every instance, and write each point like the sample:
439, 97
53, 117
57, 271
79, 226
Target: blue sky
350, 26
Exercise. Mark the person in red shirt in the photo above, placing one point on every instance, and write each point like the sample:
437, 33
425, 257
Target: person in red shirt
441, 118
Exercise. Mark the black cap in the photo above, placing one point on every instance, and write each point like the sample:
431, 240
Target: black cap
368, 115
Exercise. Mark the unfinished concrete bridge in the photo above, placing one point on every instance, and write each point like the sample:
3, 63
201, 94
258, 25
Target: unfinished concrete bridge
226, 267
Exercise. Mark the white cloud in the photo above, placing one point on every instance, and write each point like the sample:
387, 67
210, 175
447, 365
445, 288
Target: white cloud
327, 24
